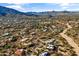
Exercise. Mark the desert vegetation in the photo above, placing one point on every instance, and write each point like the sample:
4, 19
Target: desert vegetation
22, 35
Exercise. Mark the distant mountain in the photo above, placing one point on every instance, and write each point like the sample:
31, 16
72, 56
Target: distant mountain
5, 11
55, 13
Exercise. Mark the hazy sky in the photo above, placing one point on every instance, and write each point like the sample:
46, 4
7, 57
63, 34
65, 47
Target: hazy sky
39, 6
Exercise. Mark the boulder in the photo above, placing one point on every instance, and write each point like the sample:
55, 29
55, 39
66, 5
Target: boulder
19, 52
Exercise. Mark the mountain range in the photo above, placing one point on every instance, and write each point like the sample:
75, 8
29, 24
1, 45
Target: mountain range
4, 11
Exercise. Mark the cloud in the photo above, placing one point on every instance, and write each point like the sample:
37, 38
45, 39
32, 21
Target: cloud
17, 7
22, 8
64, 6
36, 7
39, 1
26, 5
70, 6
63, 3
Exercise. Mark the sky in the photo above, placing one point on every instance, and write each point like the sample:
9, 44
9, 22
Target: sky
41, 5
